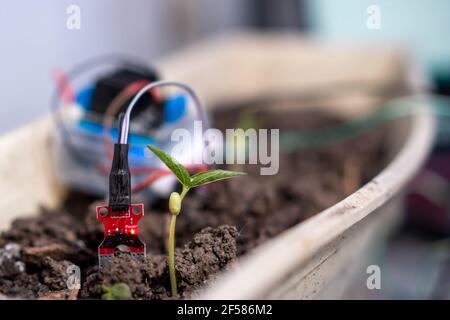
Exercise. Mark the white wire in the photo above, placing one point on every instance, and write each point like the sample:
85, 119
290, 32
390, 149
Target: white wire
163, 83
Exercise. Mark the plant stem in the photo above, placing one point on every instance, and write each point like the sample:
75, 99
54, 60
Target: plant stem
173, 221
173, 278
183, 192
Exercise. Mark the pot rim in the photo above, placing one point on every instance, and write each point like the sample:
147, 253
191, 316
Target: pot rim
270, 262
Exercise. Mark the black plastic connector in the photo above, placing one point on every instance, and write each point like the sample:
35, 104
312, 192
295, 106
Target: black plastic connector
120, 179
120, 176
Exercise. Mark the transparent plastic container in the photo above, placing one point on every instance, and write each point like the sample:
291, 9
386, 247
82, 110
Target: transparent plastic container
81, 160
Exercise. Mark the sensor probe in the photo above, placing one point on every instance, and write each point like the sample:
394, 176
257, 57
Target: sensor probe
120, 218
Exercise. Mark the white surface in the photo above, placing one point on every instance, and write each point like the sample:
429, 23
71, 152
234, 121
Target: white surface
35, 41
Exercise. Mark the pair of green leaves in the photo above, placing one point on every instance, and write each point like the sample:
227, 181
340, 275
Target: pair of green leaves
197, 179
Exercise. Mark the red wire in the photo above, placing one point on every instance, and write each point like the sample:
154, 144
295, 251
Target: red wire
155, 174
65, 89
149, 180
161, 173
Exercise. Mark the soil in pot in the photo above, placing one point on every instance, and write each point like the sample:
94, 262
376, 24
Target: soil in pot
218, 223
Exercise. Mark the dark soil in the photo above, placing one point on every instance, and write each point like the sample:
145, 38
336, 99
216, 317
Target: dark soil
218, 223
210, 251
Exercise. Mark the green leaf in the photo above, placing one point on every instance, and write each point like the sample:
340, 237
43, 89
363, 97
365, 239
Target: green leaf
107, 296
105, 288
177, 168
121, 291
203, 178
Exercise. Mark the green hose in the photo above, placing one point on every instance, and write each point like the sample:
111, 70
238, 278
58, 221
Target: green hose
437, 106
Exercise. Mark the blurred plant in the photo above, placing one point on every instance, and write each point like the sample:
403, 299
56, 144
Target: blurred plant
248, 120
239, 144
119, 291
415, 105
187, 182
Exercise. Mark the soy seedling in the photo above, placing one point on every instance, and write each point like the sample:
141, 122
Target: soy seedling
187, 182
119, 291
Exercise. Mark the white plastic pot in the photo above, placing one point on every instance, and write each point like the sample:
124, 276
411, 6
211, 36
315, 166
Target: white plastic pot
318, 258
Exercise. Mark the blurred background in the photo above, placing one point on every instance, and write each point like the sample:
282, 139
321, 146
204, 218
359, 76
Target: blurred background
36, 41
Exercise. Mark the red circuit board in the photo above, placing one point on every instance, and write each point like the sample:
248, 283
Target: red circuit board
120, 232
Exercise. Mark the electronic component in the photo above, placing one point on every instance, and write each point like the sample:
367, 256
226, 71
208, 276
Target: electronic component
82, 145
121, 232
149, 110
111, 84
83, 148
120, 218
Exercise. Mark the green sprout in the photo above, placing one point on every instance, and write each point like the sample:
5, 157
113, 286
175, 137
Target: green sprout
187, 182
248, 120
119, 291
